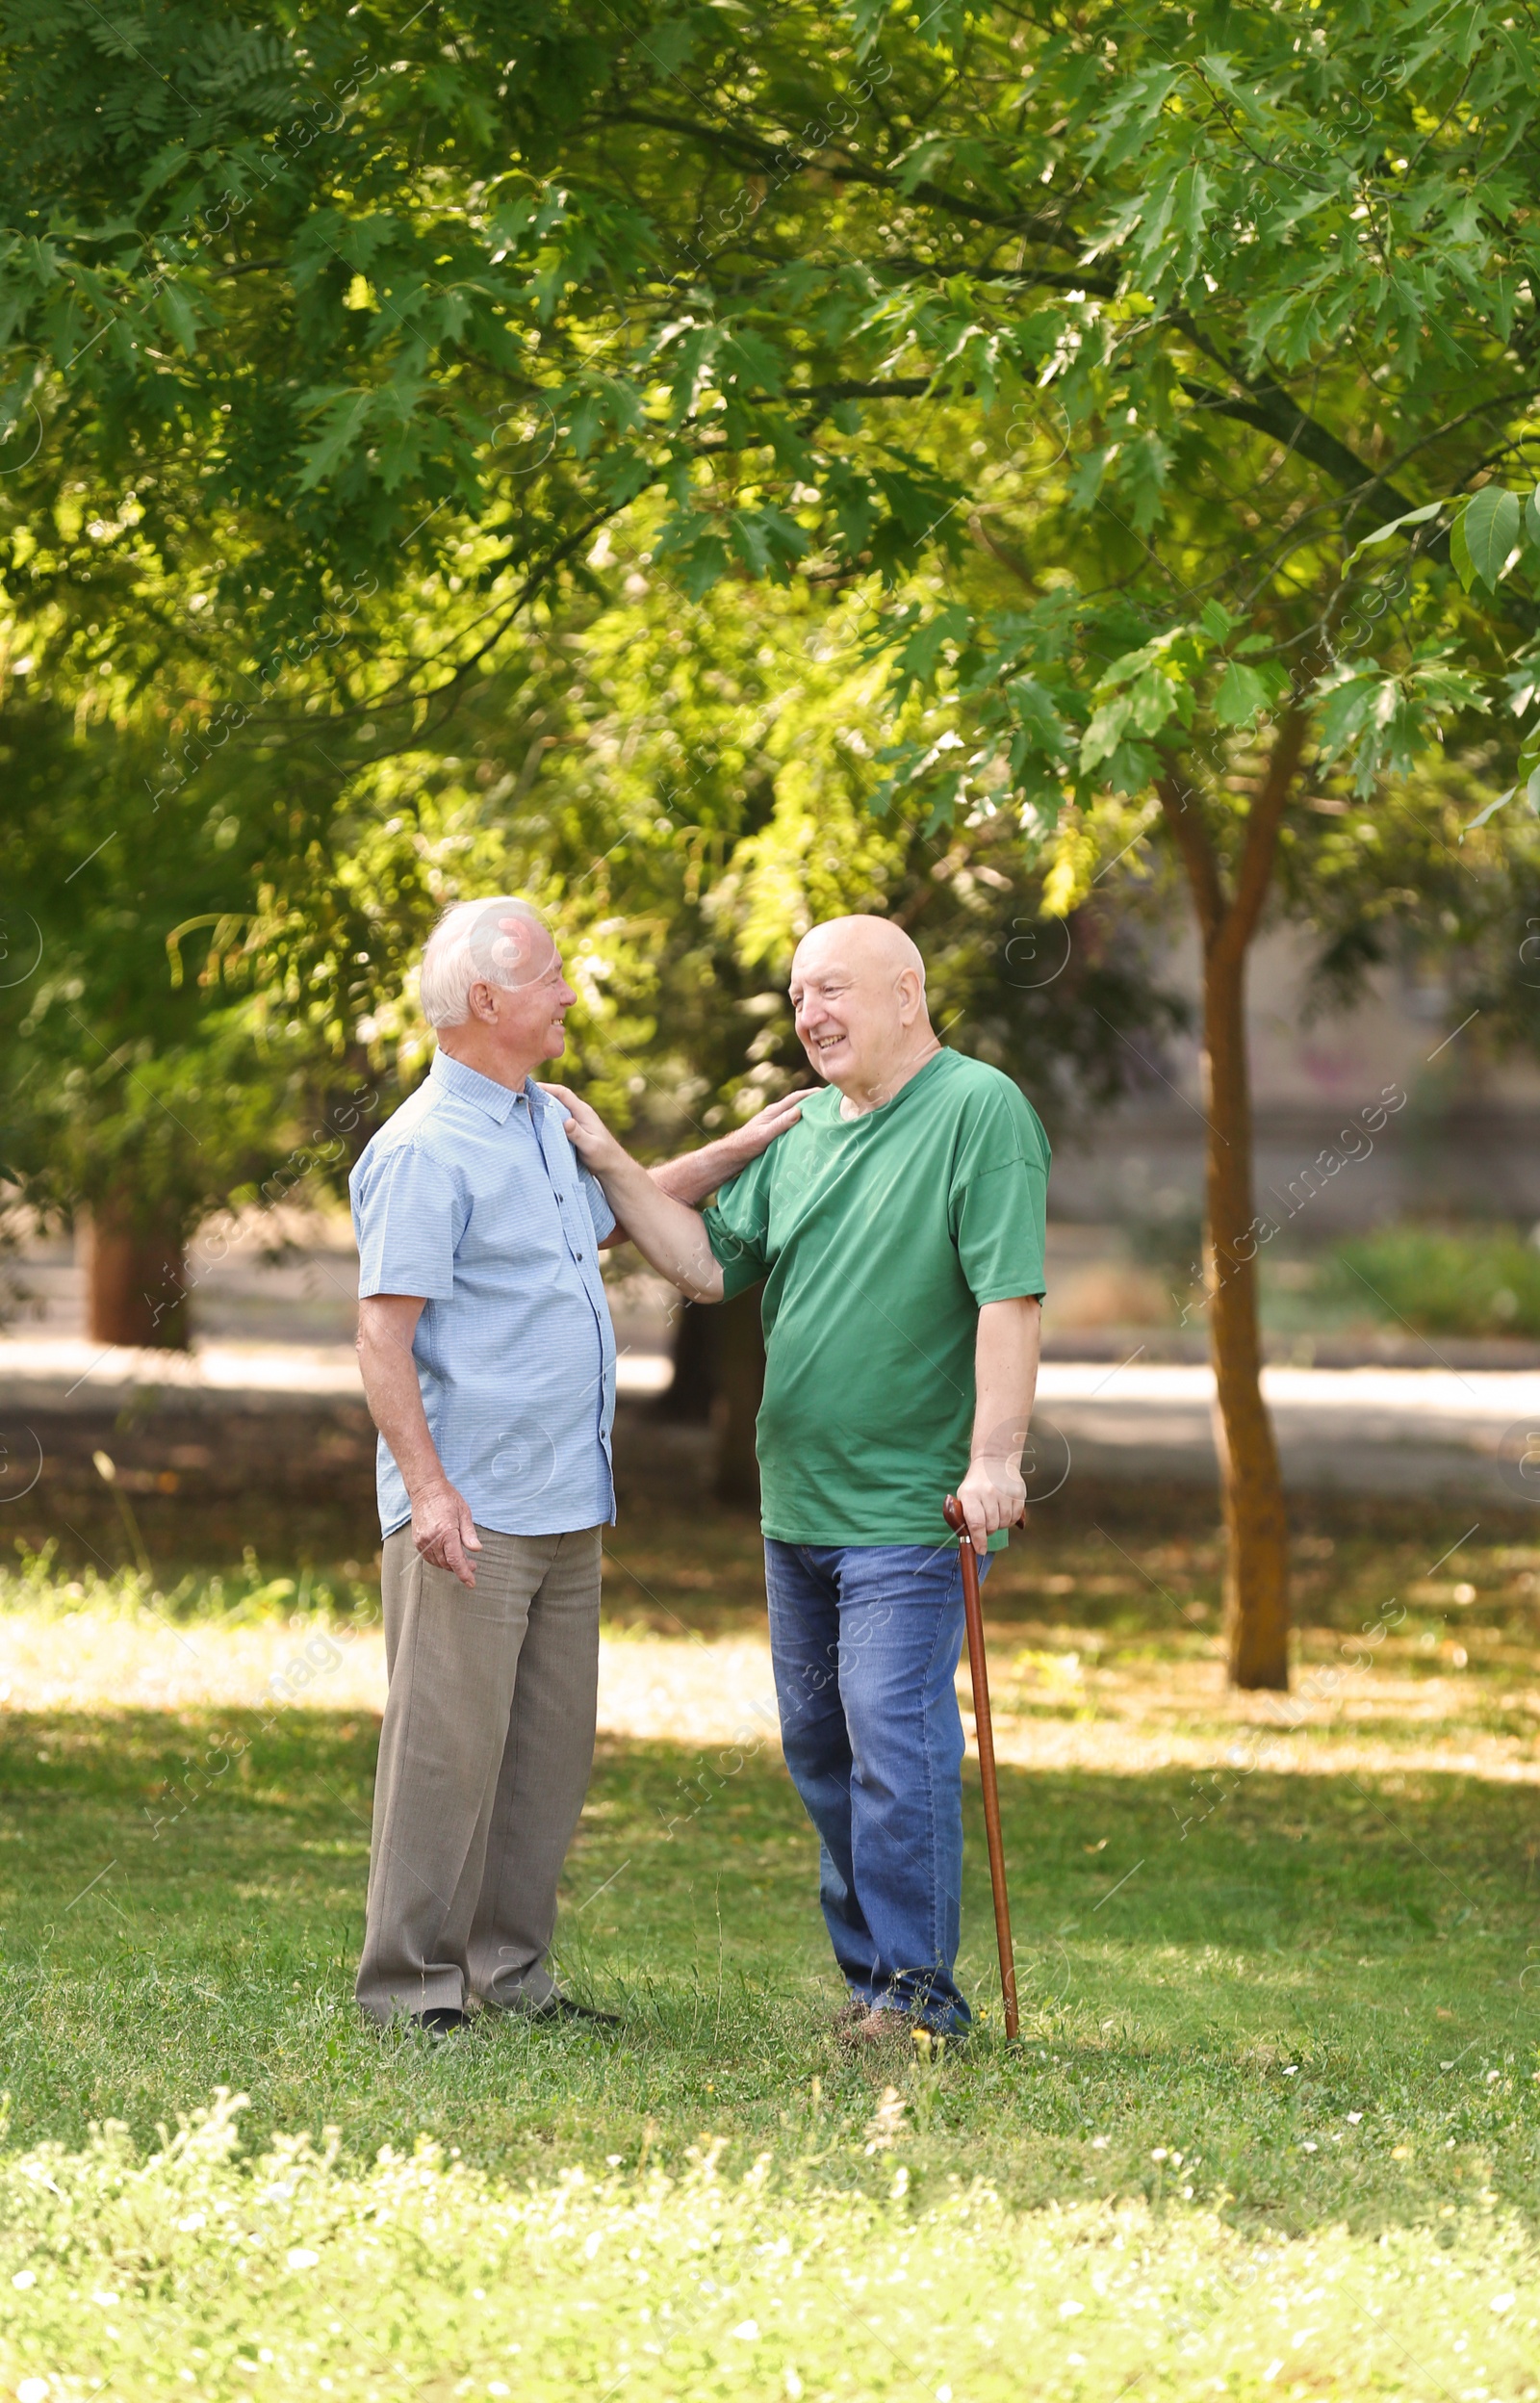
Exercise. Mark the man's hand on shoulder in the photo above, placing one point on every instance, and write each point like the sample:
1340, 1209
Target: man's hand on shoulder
669, 1235
444, 1530
587, 1133
695, 1174
757, 1133
993, 1494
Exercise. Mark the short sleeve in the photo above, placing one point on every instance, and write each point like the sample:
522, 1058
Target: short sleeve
409, 1216
999, 1196
737, 1227
1000, 1231
597, 1201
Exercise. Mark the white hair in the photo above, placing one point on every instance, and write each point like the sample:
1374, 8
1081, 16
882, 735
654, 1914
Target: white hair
501, 941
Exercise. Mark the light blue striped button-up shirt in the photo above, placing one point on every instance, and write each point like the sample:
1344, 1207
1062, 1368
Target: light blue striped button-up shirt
472, 1196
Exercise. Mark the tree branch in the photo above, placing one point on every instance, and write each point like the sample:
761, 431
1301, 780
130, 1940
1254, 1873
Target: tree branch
1198, 855
1269, 409
1008, 557
405, 694
1263, 821
1057, 279
890, 388
779, 157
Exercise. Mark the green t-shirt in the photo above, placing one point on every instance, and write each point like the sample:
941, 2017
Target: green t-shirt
879, 1239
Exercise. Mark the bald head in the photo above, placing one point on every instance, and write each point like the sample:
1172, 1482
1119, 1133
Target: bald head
874, 943
857, 987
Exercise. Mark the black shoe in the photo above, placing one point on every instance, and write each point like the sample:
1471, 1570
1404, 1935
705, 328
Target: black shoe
562, 2006
439, 2023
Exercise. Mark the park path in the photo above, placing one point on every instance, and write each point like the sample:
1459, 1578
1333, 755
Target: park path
1436, 1429
1393, 1430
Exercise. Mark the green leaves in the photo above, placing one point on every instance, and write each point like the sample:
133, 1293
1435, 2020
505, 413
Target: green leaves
1388, 720
1245, 692
812, 333
1532, 794
1142, 710
1036, 690
1489, 534
1521, 688
1383, 534
343, 416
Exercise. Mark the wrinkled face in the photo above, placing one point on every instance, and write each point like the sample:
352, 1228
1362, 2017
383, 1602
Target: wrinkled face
849, 1012
524, 986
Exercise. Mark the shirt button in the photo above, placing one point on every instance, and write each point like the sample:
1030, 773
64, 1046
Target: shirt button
578, 1256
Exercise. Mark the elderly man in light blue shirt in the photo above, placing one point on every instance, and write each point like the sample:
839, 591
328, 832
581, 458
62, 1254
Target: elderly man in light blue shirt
489, 1364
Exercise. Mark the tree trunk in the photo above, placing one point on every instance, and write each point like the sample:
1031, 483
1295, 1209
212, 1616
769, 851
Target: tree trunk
740, 1390
1256, 1572
690, 1397
136, 1289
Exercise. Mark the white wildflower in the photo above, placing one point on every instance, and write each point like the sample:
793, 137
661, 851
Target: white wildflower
886, 2126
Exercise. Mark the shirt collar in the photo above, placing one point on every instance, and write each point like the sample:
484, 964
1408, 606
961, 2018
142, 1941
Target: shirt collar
483, 1093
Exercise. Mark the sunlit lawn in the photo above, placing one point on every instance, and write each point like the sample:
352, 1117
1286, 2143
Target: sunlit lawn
1273, 2124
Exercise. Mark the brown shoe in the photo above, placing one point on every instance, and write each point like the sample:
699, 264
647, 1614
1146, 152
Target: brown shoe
868, 2028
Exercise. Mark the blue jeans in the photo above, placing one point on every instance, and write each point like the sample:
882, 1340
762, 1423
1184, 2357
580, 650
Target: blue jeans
865, 1640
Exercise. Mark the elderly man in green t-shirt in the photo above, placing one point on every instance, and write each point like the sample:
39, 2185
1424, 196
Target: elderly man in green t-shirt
898, 1231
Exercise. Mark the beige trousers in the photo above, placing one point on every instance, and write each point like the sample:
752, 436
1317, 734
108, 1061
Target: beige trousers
483, 1764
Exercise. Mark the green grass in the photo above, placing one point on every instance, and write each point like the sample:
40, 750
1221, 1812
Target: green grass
1277, 2077
1474, 1280
421, 2276
158, 1946
40, 1585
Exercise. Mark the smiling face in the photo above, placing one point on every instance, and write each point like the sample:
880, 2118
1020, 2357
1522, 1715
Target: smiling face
858, 989
530, 1014
518, 1009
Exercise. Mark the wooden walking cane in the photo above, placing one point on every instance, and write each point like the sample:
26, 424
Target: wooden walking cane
984, 1727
